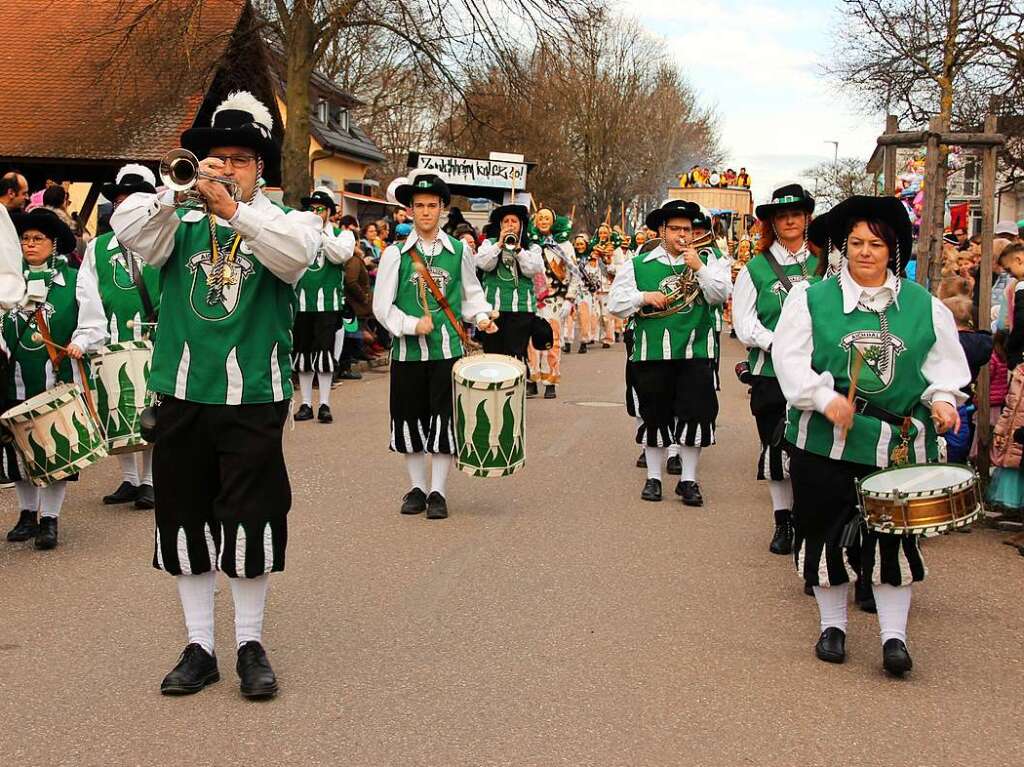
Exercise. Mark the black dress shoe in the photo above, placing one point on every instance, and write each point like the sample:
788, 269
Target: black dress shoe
323, 415
864, 595
605, 345
831, 646
566, 348
304, 413
437, 506
126, 493
195, 669
26, 528
583, 349
689, 491
146, 498
652, 490
46, 538
414, 502
895, 657
782, 540
350, 375
531, 389
641, 462
549, 391
254, 671
674, 465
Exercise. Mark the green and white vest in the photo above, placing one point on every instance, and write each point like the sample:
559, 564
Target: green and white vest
31, 371
120, 296
443, 342
770, 297
687, 334
507, 290
322, 287
890, 380
232, 349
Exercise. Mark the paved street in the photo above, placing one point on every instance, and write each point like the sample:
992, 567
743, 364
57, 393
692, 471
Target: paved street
554, 619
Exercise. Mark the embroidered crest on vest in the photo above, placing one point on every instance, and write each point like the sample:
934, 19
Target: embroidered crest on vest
876, 374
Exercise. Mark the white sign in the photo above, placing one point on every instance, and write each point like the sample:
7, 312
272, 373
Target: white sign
466, 171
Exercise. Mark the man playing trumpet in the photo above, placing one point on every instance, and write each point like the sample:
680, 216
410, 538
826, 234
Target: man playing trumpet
670, 288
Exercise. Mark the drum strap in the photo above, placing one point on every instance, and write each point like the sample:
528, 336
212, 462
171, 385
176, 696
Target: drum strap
424, 272
783, 278
136, 273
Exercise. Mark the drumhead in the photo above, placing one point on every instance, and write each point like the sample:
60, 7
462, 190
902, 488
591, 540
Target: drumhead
489, 369
65, 392
924, 478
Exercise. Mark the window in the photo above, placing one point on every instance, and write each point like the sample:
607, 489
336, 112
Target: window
972, 176
321, 110
342, 119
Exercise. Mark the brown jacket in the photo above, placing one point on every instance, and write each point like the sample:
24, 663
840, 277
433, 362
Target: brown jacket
357, 287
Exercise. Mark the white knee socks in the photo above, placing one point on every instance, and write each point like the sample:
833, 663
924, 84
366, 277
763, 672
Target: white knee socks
196, 594
147, 466
893, 603
832, 606
655, 460
250, 598
51, 498
28, 495
323, 382
439, 469
673, 450
782, 494
689, 456
416, 465
306, 388
339, 343
129, 470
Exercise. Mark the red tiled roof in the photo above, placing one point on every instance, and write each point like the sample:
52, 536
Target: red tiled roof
112, 80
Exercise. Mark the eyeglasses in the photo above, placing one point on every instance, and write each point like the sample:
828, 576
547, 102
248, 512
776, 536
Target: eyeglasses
240, 161
29, 240
319, 208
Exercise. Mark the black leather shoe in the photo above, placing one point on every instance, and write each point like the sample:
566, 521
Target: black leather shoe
146, 499
782, 540
531, 389
304, 413
350, 375
549, 391
437, 506
831, 646
605, 345
689, 491
583, 349
323, 415
864, 595
652, 490
895, 657
674, 465
641, 462
46, 538
566, 348
195, 669
126, 493
414, 502
26, 528
254, 671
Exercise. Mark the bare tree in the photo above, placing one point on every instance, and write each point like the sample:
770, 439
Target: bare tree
832, 182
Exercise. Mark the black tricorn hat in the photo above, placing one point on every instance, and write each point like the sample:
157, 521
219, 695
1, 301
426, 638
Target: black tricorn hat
240, 120
672, 209
429, 183
889, 210
493, 228
320, 197
130, 179
788, 196
49, 223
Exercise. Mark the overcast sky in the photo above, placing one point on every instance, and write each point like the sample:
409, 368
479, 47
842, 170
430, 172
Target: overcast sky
758, 62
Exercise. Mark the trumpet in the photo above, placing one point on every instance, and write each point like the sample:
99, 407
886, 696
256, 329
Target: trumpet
511, 241
685, 288
179, 170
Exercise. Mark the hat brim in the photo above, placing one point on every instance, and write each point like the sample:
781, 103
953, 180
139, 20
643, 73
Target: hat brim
818, 232
200, 141
865, 208
493, 227
47, 222
307, 201
112, 190
656, 218
765, 211
404, 192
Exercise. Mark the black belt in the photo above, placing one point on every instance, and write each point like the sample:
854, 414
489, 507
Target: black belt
862, 406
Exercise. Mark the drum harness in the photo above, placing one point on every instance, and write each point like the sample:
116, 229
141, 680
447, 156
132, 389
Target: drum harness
426, 279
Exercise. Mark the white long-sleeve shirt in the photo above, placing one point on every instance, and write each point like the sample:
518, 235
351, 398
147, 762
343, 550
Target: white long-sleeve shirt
745, 321
285, 243
475, 307
12, 280
714, 279
529, 259
337, 248
945, 366
91, 332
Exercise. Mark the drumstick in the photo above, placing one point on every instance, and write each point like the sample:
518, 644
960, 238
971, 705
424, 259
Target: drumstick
132, 324
38, 338
854, 375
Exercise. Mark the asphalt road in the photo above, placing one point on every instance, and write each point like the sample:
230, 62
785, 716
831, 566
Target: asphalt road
554, 619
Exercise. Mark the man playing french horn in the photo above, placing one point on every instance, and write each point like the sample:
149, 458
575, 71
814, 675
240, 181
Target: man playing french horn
670, 288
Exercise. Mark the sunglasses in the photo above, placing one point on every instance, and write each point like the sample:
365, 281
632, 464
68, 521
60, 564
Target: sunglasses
319, 208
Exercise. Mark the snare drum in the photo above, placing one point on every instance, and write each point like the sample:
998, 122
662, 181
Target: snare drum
55, 434
120, 382
489, 404
923, 499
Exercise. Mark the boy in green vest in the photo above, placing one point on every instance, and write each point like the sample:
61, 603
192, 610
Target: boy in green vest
675, 343
757, 301
898, 348
222, 365
426, 342
130, 291
321, 293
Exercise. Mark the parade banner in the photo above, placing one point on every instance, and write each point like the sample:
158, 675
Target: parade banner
469, 171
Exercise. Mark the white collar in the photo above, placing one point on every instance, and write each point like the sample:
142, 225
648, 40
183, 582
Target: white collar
659, 253
113, 244
783, 256
853, 292
414, 237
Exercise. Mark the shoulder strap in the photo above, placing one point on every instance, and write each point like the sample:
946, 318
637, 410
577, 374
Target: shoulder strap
421, 267
777, 268
140, 283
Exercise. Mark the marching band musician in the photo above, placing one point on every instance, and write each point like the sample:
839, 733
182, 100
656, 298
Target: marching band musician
559, 287
222, 365
896, 347
761, 289
605, 256
321, 293
508, 268
426, 287
61, 321
675, 349
130, 291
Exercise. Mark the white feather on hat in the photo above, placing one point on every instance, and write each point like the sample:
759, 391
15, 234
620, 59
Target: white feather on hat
395, 183
137, 170
243, 101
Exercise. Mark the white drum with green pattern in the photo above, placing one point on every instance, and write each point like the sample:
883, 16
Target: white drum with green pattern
120, 381
55, 434
489, 414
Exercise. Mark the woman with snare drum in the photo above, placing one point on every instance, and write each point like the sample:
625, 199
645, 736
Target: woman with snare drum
892, 343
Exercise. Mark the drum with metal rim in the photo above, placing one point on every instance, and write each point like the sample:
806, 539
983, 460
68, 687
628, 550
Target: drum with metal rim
923, 499
120, 383
489, 403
